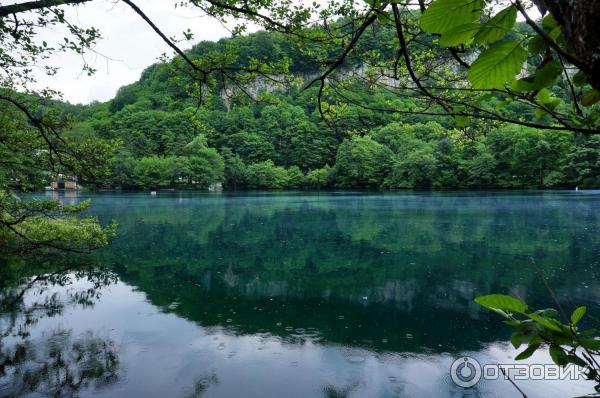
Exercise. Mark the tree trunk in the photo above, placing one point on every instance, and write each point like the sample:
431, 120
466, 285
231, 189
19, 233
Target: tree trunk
580, 20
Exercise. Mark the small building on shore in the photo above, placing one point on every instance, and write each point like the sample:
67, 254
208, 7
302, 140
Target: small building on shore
63, 182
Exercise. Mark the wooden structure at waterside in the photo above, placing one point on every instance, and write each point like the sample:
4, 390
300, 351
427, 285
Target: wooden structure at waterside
63, 183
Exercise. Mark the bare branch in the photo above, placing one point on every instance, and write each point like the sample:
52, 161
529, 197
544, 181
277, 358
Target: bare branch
166, 39
35, 5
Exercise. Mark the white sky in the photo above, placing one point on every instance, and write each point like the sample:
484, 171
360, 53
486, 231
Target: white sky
128, 41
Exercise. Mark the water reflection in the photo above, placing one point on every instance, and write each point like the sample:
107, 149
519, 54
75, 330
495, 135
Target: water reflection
328, 295
35, 358
359, 270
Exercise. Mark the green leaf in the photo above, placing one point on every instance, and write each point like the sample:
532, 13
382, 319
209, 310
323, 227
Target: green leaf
578, 314
540, 79
590, 98
547, 323
501, 302
462, 34
579, 79
497, 65
591, 344
516, 339
544, 96
497, 27
555, 33
550, 313
527, 352
547, 74
462, 121
537, 45
558, 355
549, 23
539, 113
589, 332
576, 360
523, 85
443, 15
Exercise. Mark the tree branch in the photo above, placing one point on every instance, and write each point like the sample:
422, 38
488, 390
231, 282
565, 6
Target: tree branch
35, 5
407, 61
571, 59
165, 38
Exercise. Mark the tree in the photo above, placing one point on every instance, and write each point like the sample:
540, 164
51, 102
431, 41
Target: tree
482, 169
362, 162
234, 171
583, 167
418, 169
319, 178
250, 147
32, 154
526, 156
152, 172
487, 34
295, 177
122, 170
266, 175
568, 342
205, 164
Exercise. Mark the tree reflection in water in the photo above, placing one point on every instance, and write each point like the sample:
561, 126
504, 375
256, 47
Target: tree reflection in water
55, 362
299, 295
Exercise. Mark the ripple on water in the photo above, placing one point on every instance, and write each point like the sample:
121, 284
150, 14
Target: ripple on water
355, 359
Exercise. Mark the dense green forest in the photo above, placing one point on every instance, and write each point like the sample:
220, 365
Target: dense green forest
274, 137
271, 135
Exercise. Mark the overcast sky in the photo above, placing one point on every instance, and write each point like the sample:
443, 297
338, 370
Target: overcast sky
128, 41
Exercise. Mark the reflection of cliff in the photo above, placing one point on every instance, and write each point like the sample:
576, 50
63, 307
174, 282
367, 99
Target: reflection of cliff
398, 293
396, 315
402, 263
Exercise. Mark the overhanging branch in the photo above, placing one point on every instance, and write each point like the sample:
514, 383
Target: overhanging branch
35, 5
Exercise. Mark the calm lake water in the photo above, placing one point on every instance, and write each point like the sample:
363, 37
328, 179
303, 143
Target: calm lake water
295, 294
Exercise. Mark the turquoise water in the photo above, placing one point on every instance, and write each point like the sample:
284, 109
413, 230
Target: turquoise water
296, 295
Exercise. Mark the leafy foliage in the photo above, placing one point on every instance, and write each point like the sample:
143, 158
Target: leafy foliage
32, 156
498, 65
568, 344
26, 226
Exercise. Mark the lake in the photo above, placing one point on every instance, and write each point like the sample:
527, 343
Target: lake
292, 294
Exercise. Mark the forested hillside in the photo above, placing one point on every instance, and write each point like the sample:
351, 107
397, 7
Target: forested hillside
270, 134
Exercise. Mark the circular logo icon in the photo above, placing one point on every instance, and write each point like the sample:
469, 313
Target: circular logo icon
465, 372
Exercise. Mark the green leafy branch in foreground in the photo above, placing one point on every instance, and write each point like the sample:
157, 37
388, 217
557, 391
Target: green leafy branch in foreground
27, 226
567, 343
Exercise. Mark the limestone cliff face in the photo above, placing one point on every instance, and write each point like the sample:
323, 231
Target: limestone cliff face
264, 84
383, 77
